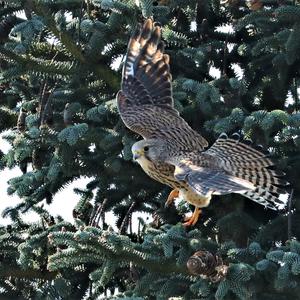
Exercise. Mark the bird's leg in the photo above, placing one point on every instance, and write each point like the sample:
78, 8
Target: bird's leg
194, 218
174, 194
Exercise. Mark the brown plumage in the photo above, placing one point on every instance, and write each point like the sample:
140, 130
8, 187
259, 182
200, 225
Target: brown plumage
172, 152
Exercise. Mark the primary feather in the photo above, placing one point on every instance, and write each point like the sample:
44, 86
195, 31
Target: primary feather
145, 102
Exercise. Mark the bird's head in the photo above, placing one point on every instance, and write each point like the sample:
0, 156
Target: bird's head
150, 150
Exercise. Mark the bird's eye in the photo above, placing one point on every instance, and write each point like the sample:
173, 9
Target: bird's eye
146, 148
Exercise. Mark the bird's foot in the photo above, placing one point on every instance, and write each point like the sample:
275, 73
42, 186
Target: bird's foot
191, 221
174, 194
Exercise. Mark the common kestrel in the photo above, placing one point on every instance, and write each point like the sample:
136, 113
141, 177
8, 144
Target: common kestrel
171, 151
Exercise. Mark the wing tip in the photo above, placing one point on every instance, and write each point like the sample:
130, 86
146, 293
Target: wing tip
147, 28
265, 198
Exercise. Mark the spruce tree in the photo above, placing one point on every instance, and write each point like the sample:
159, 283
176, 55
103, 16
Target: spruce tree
235, 67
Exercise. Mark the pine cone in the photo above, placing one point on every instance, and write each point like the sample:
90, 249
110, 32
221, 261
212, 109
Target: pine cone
47, 114
38, 158
21, 120
255, 5
208, 265
161, 2
68, 115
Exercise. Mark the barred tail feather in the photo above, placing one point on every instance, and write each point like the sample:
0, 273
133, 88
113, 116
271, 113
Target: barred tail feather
247, 163
267, 199
263, 177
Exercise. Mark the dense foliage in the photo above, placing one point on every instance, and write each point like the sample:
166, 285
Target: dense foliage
235, 67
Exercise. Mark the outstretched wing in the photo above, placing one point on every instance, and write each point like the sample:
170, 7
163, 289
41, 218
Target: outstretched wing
145, 101
231, 166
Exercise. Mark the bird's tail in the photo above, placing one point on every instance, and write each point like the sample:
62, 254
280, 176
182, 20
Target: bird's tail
253, 165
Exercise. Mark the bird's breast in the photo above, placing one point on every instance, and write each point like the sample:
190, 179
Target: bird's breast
146, 164
195, 199
164, 173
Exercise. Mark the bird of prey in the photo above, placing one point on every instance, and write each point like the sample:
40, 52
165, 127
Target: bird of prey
171, 151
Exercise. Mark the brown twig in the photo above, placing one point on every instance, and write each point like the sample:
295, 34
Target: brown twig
126, 219
79, 21
224, 65
295, 95
290, 200
97, 215
28, 274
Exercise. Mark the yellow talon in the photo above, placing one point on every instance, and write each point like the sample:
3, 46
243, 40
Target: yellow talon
174, 194
194, 218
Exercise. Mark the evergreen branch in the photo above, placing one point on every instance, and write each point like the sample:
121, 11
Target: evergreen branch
8, 118
6, 25
162, 266
109, 76
46, 50
38, 65
62, 4
28, 274
110, 246
63, 37
100, 71
10, 10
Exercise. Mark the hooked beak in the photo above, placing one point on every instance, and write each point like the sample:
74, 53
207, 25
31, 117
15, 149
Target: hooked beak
137, 154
